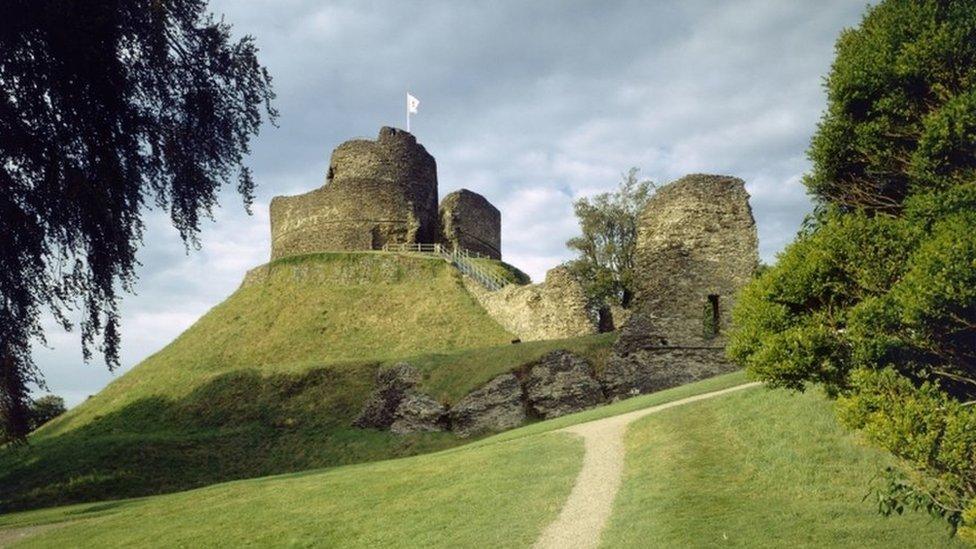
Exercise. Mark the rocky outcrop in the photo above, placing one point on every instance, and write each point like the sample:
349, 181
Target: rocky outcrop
555, 309
418, 413
392, 384
561, 383
397, 406
496, 406
557, 384
655, 369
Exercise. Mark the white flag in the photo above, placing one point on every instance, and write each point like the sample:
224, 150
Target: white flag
412, 104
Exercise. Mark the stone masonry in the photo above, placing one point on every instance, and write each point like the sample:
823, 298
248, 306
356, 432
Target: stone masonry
380, 192
696, 247
470, 222
376, 192
555, 309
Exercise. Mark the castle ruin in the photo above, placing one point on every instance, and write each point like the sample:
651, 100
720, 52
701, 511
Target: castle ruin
696, 247
380, 192
470, 222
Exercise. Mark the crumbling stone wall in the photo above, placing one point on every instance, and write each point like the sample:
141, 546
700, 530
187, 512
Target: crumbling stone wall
376, 192
470, 222
696, 247
555, 309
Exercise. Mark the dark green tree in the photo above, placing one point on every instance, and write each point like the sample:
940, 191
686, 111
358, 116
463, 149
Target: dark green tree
876, 299
107, 107
608, 223
44, 409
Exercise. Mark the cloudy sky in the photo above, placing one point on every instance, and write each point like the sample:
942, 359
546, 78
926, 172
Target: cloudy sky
532, 104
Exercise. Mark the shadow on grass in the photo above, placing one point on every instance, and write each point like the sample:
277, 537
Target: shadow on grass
239, 425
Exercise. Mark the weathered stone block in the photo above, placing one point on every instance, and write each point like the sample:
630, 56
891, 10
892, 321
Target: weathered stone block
495, 407
561, 383
470, 222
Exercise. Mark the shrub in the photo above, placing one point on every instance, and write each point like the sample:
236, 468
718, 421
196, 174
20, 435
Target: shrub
876, 299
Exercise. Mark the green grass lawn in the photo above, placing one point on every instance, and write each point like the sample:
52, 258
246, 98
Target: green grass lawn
758, 468
501, 490
750, 469
498, 496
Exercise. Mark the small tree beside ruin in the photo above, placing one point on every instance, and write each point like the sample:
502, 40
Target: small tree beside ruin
608, 222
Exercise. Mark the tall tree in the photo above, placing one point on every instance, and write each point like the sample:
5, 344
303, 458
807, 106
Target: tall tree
876, 299
608, 223
107, 107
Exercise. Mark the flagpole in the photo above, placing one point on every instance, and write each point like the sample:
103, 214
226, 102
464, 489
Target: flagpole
408, 112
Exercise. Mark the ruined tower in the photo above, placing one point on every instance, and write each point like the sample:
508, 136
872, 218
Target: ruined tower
696, 247
470, 222
376, 192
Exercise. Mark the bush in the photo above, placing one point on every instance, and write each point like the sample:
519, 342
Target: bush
876, 299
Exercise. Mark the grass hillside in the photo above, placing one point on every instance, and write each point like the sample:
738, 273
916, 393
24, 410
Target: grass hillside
270, 380
302, 312
703, 474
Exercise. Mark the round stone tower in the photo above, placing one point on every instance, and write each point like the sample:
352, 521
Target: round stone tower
376, 192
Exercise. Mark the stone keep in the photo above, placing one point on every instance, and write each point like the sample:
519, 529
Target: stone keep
696, 247
470, 222
376, 192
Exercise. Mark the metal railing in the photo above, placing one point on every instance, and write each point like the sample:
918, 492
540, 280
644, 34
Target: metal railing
459, 257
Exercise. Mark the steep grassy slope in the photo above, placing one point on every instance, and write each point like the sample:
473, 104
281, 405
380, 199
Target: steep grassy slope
302, 312
792, 478
270, 380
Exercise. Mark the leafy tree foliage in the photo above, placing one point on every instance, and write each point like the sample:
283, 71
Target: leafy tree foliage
107, 107
876, 299
608, 222
44, 409
40, 411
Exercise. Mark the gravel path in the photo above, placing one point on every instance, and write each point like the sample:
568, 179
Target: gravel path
588, 507
12, 535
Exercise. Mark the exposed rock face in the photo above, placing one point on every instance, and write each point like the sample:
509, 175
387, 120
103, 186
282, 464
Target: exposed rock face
376, 192
391, 386
418, 413
561, 383
696, 247
495, 407
650, 370
470, 222
555, 309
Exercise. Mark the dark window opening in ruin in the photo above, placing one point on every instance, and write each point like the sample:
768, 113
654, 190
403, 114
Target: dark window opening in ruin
711, 316
376, 239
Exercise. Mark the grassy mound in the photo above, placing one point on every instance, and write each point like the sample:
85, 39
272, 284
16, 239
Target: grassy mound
270, 380
298, 313
704, 474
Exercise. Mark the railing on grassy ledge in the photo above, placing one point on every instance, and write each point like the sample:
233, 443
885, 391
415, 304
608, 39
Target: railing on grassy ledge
459, 257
